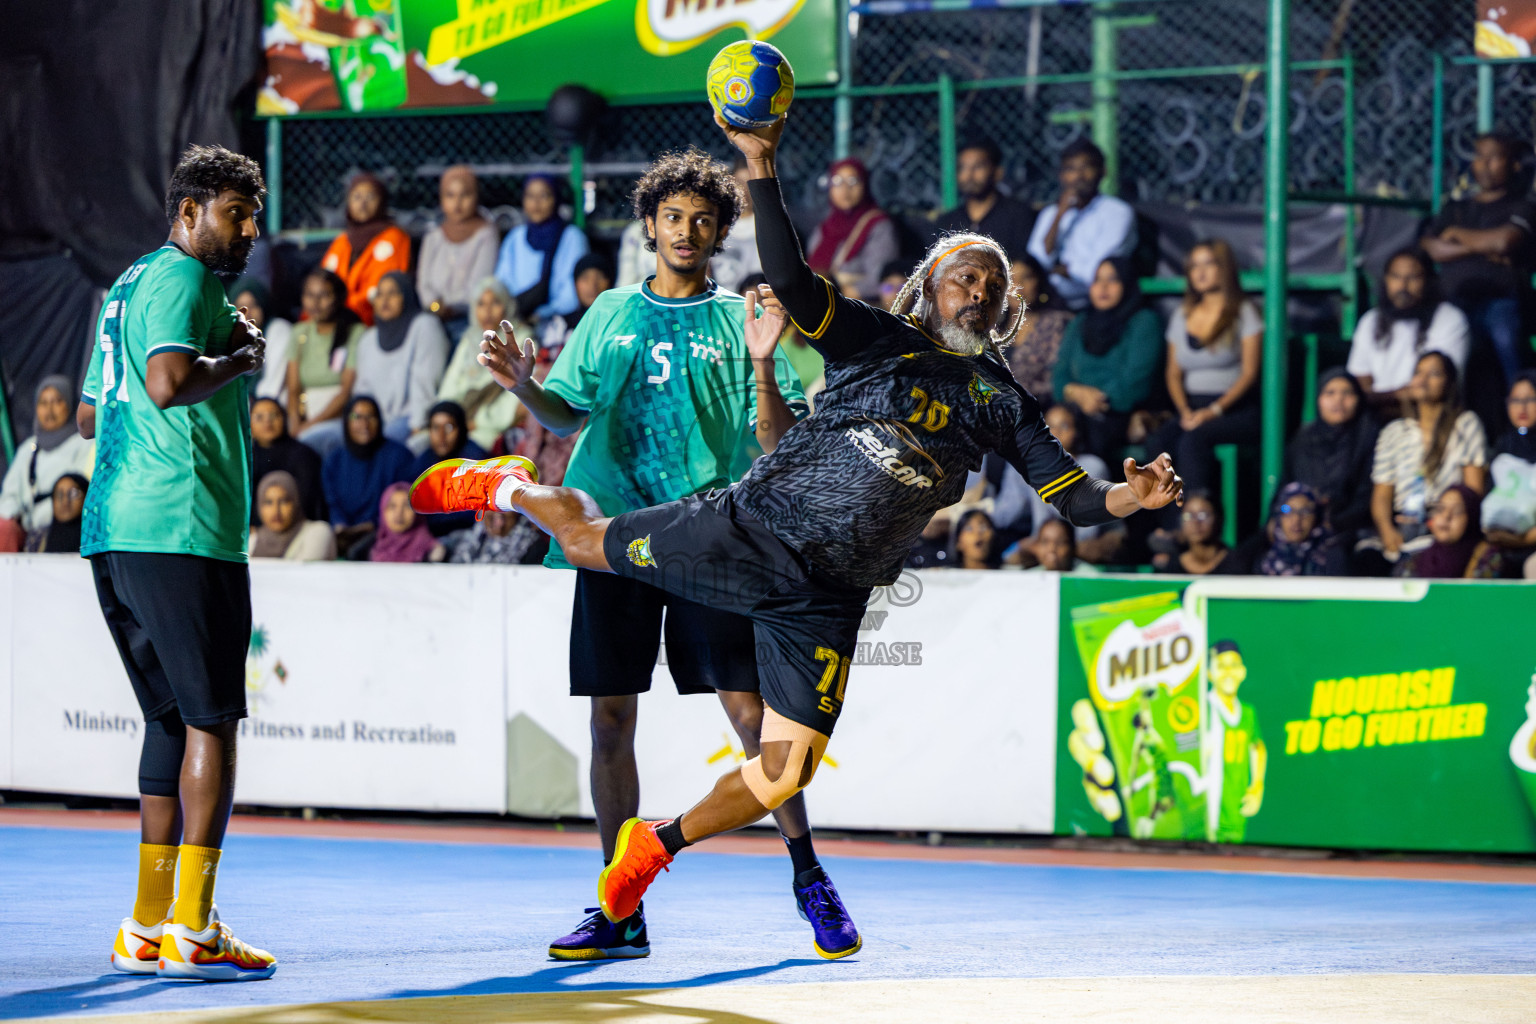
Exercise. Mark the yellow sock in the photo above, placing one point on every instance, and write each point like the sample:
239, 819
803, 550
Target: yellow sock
157, 883
194, 891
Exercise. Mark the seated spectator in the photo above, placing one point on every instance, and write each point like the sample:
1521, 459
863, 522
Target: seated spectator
371, 247
1410, 320
1333, 454
1215, 343
62, 534
737, 259
55, 448
501, 538
1435, 445
1485, 248
489, 408
1202, 550
1459, 550
447, 438
273, 450
983, 209
854, 242
250, 294
636, 262
1084, 228
892, 277
356, 474
400, 360
456, 253
1301, 542
319, 367
403, 535
538, 257
1509, 511
1108, 357
974, 545
1055, 549
285, 531
593, 277
1032, 356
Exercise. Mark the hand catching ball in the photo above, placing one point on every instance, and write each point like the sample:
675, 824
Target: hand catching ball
750, 84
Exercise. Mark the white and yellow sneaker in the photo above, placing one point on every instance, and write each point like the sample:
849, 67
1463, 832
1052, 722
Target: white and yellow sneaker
137, 949
213, 954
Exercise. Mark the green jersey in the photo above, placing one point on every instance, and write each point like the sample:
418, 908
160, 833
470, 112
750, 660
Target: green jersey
1234, 735
670, 394
175, 480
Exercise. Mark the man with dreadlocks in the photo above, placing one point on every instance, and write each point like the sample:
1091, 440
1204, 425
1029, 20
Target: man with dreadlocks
1410, 320
913, 401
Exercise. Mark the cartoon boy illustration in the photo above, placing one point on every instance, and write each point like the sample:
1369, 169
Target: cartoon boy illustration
1235, 752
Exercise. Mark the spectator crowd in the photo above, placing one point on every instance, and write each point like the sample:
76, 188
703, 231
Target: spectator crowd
1411, 465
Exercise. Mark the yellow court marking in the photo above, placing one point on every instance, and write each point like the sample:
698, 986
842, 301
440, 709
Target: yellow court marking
1395, 998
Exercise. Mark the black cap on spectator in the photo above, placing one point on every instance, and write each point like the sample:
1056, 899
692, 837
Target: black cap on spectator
1223, 646
591, 260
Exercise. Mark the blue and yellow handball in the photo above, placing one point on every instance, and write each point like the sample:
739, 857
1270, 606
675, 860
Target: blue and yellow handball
750, 84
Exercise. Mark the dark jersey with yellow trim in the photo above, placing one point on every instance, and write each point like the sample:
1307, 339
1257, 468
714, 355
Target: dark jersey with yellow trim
901, 422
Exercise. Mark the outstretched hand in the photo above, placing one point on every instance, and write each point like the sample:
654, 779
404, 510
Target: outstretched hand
1155, 484
756, 143
763, 333
510, 361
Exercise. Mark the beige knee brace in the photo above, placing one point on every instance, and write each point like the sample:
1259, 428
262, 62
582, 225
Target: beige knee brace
806, 746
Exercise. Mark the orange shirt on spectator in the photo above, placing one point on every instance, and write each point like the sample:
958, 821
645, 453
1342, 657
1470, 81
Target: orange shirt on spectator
387, 251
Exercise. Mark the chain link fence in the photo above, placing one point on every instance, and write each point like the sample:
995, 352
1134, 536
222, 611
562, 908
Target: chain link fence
1186, 99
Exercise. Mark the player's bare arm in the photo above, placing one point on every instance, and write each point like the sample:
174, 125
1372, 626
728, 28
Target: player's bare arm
511, 361
762, 334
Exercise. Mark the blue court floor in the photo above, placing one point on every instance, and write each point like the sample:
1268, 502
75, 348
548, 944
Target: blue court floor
387, 920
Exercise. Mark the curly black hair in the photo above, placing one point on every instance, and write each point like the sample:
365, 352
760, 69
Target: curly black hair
205, 171
691, 172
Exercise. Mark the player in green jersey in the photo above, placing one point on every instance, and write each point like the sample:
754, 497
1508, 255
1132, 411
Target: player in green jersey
1236, 756
675, 385
165, 525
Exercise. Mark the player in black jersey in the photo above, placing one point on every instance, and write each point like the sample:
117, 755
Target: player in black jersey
913, 401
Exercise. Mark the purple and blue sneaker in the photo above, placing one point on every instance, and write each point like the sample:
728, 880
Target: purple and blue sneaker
836, 936
597, 938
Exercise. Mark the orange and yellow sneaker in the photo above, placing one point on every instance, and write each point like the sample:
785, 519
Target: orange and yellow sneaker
137, 949
213, 954
637, 859
465, 485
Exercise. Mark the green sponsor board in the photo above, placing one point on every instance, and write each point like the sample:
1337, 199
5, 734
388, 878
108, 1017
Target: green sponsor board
378, 55
1363, 714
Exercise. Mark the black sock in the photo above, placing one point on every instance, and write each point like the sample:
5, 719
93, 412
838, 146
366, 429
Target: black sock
803, 856
671, 836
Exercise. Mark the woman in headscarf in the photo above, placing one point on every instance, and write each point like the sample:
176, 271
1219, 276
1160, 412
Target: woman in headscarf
319, 372
400, 359
1333, 453
251, 294
488, 407
285, 531
55, 448
538, 257
62, 534
356, 474
370, 247
1509, 511
1459, 551
856, 239
457, 252
1032, 356
273, 450
403, 535
1109, 357
501, 538
447, 438
1300, 540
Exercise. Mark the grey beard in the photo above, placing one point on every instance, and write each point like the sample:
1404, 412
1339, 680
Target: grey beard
957, 339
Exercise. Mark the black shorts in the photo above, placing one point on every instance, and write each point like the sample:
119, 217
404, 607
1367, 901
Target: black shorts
616, 633
182, 624
709, 551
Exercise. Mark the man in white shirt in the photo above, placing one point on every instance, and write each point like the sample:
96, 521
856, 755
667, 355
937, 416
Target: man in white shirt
1084, 229
1411, 320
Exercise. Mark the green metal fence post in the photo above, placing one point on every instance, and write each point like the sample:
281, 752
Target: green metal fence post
1485, 97
578, 154
1276, 338
1437, 137
274, 174
1351, 308
1106, 95
947, 141
842, 104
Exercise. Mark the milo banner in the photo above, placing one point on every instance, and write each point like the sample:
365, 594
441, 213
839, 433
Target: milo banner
379, 55
1342, 713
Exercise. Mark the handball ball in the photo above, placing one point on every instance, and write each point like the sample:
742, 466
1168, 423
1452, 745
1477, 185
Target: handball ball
750, 84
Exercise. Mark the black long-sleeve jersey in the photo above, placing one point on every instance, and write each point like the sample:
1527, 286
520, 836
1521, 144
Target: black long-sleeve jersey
901, 422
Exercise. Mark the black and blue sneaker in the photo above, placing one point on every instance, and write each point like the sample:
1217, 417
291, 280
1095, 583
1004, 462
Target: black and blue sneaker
836, 936
598, 938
